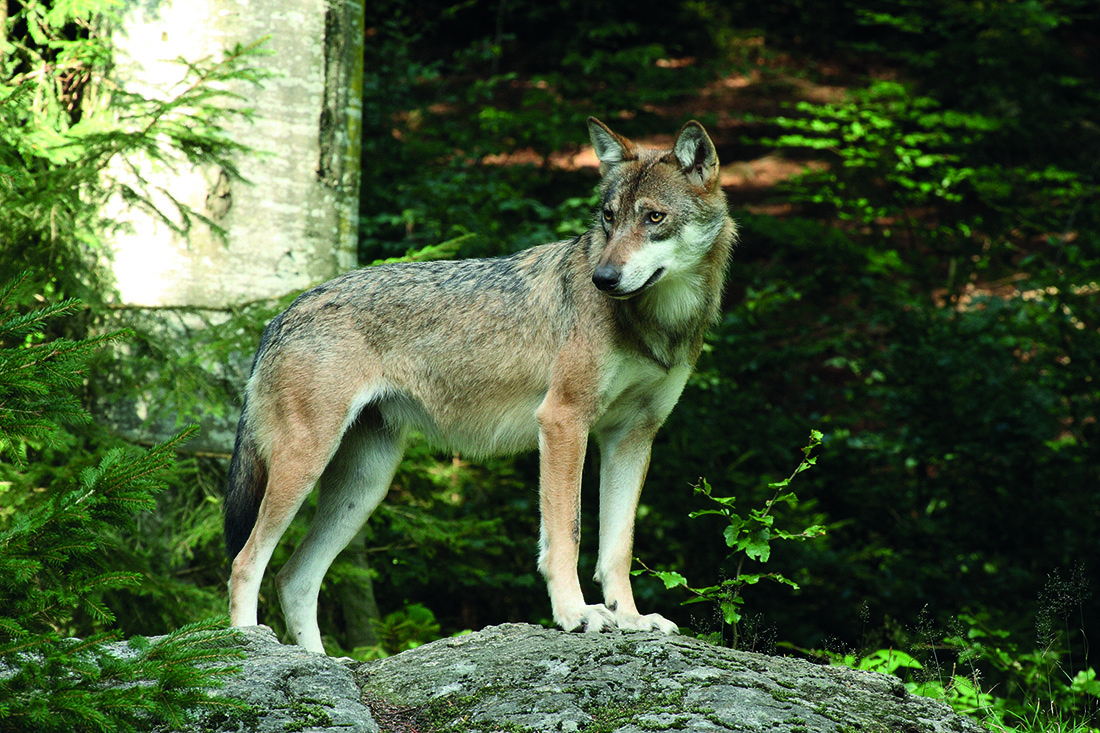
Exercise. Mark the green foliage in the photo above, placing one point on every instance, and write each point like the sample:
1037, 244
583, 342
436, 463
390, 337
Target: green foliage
978, 670
64, 124
926, 182
30, 408
56, 547
897, 153
1030, 65
953, 432
963, 693
930, 301
748, 538
73, 685
959, 331
53, 559
401, 630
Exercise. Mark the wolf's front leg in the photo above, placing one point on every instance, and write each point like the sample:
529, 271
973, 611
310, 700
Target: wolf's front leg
624, 461
563, 438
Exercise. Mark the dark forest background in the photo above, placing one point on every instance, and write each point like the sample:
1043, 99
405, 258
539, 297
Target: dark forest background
917, 184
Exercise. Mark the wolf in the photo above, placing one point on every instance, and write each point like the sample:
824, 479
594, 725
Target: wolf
594, 336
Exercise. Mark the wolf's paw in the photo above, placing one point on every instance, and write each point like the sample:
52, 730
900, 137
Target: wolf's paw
587, 618
649, 622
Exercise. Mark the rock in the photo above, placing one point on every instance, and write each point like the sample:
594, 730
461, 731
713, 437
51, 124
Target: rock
526, 679
289, 689
518, 677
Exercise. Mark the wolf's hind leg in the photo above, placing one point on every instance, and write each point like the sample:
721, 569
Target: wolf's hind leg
291, 478
354, 483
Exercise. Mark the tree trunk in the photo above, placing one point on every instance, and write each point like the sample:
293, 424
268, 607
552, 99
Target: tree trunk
294, 223
290, 224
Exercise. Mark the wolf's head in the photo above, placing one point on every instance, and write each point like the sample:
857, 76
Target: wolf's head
660, 211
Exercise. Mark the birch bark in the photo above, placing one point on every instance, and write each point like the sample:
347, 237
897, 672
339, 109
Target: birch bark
290, 224
293, 223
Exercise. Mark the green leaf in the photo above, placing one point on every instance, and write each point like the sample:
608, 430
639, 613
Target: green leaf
755, 544
732, 533
671, 579
731, 612
789, 498
783, 580
702, 512
1086, 682
726, 501
888, 661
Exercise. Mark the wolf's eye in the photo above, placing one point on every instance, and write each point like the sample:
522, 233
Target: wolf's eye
655, 217
608, 215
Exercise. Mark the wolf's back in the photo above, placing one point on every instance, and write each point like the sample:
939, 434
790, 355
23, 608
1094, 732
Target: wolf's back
246, 484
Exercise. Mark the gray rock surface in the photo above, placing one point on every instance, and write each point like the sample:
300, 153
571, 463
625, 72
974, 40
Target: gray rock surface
518, 677
289, 689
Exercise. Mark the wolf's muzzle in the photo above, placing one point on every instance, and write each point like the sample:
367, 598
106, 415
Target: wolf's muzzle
607, 278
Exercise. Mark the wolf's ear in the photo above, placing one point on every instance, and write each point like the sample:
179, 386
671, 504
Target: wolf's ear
611, 149
697, 155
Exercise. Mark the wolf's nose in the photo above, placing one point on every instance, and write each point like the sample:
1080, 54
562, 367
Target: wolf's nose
606, 277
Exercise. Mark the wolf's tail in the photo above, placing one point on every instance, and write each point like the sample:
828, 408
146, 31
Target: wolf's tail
246, 485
